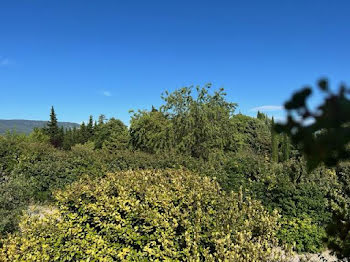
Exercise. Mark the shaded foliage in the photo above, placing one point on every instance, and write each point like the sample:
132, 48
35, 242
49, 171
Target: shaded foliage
323, 135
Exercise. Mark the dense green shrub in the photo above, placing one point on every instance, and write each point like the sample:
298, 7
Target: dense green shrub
294, 201
44, 168
31, 170
125, 159
291, 190
339, 228
245, 168
15, 193
10, 149
303, 234
15, 190
147, 215
47, 168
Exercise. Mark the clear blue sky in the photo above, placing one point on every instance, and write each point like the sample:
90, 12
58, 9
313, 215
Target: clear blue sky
91, 57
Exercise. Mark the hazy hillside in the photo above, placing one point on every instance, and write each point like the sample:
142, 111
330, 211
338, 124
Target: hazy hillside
26, 126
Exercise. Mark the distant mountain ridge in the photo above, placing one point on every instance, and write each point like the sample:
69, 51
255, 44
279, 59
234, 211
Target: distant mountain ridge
27, 126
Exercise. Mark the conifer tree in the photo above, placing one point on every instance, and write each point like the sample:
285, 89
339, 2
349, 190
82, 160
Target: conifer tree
53, 131
68, 139
260, 115
83, 137
101, 119
90, 128
274, 143
52, 124
61, 135
75, 136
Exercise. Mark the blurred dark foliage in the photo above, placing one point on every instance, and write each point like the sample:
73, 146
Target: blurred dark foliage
323, 135
327, 136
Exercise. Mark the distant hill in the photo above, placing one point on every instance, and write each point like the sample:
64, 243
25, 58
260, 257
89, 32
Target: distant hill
27, 126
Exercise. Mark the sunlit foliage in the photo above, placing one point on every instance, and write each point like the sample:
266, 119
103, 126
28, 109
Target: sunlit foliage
149, 215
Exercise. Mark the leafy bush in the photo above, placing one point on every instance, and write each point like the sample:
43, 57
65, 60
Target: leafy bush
245, 168
125, 160
29, 171
146, 216
9, 150
15, 193
288, 188
298, 200
339, 229
113, 135
303, 234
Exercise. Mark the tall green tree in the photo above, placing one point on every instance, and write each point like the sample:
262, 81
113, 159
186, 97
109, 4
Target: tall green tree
274, 142
261, 116
75, 136
90, 128
151, 131
200, 120
285, 147
68, 140
53, 131
83, 133
113, 135
101, 119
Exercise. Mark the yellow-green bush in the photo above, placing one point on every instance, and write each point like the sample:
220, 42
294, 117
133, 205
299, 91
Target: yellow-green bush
147, 216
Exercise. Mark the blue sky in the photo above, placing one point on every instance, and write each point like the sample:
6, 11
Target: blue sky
107, 57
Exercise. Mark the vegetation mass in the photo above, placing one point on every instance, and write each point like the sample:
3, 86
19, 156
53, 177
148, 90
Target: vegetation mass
190, 180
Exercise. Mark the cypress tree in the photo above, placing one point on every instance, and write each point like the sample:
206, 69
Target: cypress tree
267, 120
285, 147
274, 142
